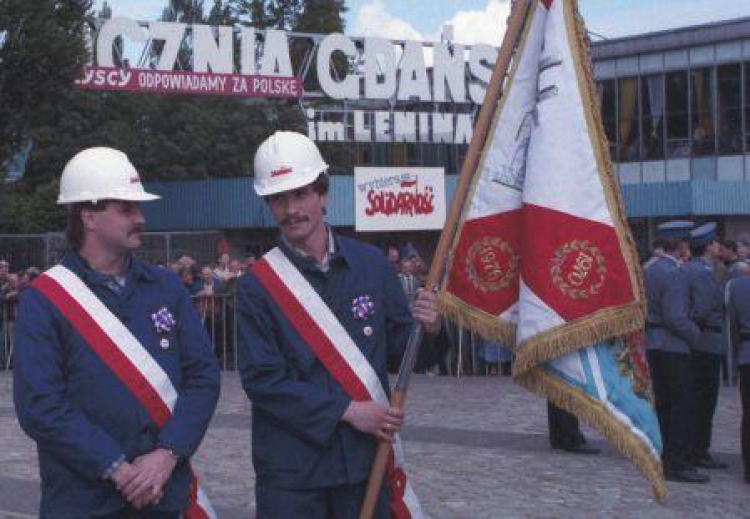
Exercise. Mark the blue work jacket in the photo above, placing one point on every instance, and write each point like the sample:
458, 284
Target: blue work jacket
299, 440
82, 417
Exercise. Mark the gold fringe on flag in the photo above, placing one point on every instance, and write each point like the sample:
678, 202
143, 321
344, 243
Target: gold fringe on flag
488, 326
599, 326
593, 413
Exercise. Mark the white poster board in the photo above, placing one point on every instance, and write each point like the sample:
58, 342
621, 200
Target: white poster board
399, 199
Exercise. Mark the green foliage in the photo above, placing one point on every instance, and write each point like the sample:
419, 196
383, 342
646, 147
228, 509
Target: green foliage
43, 51
170, 137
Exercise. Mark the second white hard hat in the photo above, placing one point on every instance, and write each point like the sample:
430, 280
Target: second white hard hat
286, 161
96, 174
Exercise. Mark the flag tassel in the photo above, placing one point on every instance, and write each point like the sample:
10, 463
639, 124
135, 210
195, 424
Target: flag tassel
554, 343
594, 414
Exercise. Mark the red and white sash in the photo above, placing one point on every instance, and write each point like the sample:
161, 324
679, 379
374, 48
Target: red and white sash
314, 321
118, 348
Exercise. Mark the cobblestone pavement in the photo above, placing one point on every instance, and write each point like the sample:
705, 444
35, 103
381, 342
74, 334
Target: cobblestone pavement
475, 448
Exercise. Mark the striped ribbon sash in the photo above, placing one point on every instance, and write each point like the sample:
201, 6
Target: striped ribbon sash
121, 352
314, 321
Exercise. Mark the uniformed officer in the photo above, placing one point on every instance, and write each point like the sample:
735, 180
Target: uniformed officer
670, 336
565, 431
739, 312
110, 443
313, 444
707, 311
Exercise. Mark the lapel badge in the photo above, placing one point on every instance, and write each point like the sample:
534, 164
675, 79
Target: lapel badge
164, 343
367, 330
362, 307
163, 320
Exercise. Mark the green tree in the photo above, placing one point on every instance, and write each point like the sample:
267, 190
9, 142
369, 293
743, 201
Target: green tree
42, 51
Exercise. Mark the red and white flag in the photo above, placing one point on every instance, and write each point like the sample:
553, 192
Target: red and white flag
542, 258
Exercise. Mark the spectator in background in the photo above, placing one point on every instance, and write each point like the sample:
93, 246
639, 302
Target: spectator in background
743, 250
409, 282
657, 252
394, 255
496, 358
187, 276
4, 272
222, 271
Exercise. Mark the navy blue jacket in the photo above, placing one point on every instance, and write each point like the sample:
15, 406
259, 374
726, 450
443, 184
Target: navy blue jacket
299, 440
668, 324
80, 414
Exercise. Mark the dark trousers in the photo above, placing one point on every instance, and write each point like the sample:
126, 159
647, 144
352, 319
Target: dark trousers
745, 431
338, 502
706, 368
564, 430
672, 376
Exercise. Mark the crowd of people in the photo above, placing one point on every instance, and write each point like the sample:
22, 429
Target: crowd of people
116, 381
697, 326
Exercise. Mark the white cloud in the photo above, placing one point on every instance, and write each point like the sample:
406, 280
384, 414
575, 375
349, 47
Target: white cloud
486, 26
373, 19
469, 27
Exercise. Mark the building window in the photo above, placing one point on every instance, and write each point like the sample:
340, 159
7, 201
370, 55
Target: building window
702, 97
652, 103
608, 109
747, 105
628, 123
678, 127
729, 109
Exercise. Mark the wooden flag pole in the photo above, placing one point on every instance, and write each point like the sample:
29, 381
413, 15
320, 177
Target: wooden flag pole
516, 24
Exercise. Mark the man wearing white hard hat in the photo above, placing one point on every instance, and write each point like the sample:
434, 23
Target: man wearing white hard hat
319, 316
115, 379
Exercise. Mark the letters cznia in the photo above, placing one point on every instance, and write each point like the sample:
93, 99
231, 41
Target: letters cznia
390, 69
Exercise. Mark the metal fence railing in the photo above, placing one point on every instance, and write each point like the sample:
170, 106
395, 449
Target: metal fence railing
454, 352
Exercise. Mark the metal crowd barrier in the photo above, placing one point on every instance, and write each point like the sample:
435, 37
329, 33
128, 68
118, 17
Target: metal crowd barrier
217, 313
7, 321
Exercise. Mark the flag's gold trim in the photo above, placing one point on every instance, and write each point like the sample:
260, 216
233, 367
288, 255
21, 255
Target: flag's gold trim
596, 415
467, 316
556, 342
610, 322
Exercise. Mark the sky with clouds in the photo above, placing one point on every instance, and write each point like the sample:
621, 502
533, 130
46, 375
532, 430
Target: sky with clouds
484, 20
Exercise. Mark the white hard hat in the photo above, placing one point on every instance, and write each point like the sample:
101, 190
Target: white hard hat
98, 174
286, 161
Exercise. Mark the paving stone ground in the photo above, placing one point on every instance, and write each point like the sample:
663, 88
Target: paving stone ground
475, 448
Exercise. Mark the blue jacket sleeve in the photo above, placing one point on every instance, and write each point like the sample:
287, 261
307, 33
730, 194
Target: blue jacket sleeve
303, 407
676, 311
39, 390
200, 383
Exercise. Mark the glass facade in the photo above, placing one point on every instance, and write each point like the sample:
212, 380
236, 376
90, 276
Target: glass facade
678, 114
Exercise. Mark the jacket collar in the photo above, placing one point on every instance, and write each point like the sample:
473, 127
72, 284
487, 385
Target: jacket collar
78, 264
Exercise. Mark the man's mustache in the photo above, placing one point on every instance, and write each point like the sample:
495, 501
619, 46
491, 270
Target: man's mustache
138, 229
290, 220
